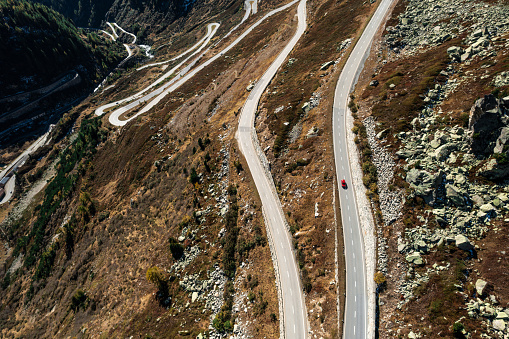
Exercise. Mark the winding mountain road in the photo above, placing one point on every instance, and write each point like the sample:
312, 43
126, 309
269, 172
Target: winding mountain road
294, 316
181, 78
356, 308
211, 30
17, 163
295, 324
138, 98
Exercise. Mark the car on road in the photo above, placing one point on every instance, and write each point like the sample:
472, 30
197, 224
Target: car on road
343, 183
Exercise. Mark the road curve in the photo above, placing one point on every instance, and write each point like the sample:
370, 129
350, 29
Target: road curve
179, 79
356, 308
126, 32
17, 163
293, 305
210, 31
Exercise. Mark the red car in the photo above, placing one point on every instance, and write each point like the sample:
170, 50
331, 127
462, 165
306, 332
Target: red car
343, 183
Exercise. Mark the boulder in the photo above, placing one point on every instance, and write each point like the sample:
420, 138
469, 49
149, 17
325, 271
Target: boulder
493, 170
454, 52
442, 152
435, 143
313, 132
480, 44
401, 247
194, 296
501, 79
465, 56
480, 287
383, 134
414, 258
485, 122
455, 195
487, 208
373, 83
463, 243
477, 199
499, 324
501, 144
406, 21
424, 183
502, 315
419, 178
421, 246
406, 153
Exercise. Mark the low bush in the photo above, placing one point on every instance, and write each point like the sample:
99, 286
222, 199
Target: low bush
177, 250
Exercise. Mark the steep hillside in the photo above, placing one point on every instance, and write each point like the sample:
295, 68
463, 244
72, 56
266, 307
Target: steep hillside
84, 13
39, 45
150, 230
130, 13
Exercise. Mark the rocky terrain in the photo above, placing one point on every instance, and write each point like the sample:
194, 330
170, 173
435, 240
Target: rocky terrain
442, 168
155, 229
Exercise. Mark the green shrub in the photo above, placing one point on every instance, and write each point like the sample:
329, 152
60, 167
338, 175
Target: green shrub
78, 300
457, 329
177, 250
193, 177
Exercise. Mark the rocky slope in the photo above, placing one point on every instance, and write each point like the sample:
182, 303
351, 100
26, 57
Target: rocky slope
434, 99
149, 230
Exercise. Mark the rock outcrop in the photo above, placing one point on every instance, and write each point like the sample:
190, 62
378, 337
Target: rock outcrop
489, 123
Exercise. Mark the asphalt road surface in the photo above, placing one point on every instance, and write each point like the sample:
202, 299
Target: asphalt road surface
174, 83
18, 162
356, 309
140, 98
294, 308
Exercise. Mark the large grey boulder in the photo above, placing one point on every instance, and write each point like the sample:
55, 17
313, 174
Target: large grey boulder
480, 287
306, 107
463, 243
327, 65
455, 195
406, 153
421, 180
499, 324
501, 79
454, 52
486, 123
424, 183
487, 208
421, 246
502, 315
414, 258
442, 152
